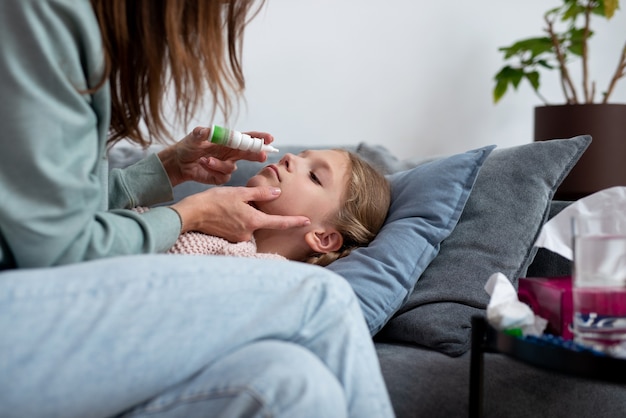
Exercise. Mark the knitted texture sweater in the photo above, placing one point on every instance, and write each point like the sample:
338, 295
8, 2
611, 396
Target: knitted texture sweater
197, 243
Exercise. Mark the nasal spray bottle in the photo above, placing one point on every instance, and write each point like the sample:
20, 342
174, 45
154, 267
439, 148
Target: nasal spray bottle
238, 140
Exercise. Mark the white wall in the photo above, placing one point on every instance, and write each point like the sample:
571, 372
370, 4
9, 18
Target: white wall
415, 76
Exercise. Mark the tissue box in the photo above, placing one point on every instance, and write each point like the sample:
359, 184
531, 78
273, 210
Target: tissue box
550, 298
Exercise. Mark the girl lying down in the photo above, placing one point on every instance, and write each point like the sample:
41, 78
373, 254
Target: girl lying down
345, 198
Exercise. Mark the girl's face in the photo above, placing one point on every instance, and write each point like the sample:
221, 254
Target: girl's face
312, 184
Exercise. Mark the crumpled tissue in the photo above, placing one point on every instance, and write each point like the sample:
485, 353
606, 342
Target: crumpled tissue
556, 234
505, 312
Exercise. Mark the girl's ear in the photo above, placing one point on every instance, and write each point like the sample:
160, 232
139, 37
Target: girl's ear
324, 240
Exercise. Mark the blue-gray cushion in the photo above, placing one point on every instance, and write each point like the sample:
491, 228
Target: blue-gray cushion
505, 212
426, 203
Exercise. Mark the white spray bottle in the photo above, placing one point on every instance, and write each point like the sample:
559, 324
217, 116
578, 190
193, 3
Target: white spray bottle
238, 140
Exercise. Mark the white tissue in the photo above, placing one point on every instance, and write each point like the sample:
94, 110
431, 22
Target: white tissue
505, 311
556, 234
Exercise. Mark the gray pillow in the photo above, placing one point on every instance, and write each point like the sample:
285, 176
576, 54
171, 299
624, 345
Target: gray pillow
496, 232
426, 203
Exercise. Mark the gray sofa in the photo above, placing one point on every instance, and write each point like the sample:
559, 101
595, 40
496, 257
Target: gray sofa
423, 382
423, 339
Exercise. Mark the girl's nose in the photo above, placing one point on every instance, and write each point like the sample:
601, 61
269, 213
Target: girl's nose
288, 161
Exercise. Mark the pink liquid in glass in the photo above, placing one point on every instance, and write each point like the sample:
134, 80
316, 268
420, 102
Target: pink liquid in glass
600, 316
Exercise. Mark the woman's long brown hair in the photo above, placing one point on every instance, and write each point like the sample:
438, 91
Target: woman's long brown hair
152, 46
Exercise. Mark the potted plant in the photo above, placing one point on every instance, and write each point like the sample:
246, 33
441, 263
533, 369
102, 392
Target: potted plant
585, 110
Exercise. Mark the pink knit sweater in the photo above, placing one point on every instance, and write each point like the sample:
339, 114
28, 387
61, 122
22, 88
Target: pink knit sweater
198, 243
203, 244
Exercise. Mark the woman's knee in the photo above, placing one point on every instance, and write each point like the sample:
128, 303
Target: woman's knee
265, 378
294, 381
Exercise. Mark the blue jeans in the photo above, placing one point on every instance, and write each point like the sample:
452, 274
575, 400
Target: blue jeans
185, 336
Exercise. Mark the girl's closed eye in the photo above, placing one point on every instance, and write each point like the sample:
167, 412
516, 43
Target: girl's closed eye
314, 178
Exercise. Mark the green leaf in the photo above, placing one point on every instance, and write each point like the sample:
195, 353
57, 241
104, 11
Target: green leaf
578, 34
533, 46
505, 77
499, 90
606, 8
516, 78
610, 6
553, 11
571, 11
576, 48
577, 40
509, 74
542, 45
545, 64
533, 79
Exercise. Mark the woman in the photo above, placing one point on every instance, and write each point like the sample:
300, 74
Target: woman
93, 321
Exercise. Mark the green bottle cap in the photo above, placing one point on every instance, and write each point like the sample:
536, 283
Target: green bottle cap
219, 135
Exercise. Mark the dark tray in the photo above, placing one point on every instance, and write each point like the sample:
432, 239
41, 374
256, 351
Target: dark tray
550, 354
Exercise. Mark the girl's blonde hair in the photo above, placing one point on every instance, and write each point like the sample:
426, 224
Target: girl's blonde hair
191, 46
363, 211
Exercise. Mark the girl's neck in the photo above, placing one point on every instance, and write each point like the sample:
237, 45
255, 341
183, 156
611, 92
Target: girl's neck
282, 242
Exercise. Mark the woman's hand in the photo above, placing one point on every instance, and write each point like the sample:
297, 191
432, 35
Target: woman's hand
225, 212
195, 158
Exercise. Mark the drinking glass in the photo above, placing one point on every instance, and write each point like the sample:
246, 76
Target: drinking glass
599, 285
